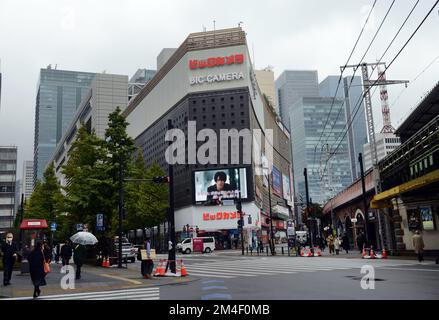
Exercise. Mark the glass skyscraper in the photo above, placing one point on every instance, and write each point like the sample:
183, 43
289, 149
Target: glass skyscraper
307, 119
59, 94
353, 104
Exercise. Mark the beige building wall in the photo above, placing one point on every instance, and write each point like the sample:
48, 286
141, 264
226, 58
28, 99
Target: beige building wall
265, 79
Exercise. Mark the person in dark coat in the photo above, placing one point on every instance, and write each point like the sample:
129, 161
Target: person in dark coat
79, 252
57, 252
36, 268
360, 241
47, 250
9, 252
345, 243
66, 253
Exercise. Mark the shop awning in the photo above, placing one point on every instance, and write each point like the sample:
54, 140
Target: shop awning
30, 224
382, 200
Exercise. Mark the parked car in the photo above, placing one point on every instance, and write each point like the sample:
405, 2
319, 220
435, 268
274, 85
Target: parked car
198, 244
129, 252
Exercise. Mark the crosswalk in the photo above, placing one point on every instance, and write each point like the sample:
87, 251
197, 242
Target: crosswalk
254, 267
152, 293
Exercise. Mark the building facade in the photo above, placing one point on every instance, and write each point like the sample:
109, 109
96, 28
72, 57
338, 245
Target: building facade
325, 177
265, 79
107, 92
290, 87
138, 81
8, 172
386, 144
209, 83
352, 93
27, 179
59, 94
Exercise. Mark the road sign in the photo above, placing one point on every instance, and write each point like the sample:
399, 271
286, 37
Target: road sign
53, 226
79, 227
99, 220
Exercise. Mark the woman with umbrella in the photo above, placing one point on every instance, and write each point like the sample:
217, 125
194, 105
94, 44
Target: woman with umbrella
36, 268
80, 240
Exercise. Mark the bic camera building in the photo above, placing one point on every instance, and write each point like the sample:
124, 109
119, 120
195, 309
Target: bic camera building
210, 80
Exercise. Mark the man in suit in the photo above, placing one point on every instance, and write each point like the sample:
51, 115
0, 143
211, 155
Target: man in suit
9, 251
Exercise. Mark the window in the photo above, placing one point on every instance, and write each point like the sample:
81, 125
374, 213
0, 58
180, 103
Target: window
208, 240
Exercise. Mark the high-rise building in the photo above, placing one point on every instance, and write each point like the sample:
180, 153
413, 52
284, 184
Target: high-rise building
138, 81
291, 86
386, 143
8, 171
27, 179
107, 92
59, 94
353, 106
325, 177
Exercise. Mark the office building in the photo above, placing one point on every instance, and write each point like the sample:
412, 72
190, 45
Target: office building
8, 172
352, 94
329, 170
386, 143
107, 92
138, 81
59, 94
291, 86
27, 179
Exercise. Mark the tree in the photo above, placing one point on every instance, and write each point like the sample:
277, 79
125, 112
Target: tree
119, 147
146, 201
90, 189
46, 201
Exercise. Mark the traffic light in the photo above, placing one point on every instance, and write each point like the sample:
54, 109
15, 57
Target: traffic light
161, 179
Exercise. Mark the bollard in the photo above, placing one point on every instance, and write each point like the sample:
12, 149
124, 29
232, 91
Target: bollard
251, 251
266, 250
282, 250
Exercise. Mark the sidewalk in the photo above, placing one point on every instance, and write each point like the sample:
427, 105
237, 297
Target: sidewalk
93, 278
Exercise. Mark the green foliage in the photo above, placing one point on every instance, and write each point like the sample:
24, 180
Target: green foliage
146, 201
90, 190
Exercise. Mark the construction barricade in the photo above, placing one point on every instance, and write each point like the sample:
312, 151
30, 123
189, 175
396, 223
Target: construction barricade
164, 266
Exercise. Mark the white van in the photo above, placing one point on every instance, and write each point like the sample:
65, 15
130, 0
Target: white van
198, 244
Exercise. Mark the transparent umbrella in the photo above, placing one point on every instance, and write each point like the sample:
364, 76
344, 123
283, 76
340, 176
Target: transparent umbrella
84, 238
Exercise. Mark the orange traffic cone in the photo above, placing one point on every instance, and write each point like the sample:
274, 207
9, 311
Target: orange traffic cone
363, 254
309, 253
384, 254
183, 269
302, 253
160, 270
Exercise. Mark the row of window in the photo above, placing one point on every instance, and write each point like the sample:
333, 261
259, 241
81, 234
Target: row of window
393, 140
213, 100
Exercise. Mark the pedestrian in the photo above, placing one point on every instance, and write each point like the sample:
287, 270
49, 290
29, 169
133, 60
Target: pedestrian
9, 252
57, 252
360, 241
345, 243
330, 241
337, 243
261, 246
79, 258
36, 268
147, 264
47, 252
66, 253
418, 245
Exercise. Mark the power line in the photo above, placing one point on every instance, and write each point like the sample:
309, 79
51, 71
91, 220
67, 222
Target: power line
341, 76
369, 87
355, 71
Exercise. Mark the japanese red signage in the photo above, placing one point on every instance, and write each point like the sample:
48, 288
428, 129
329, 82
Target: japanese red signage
220, 216
216, 62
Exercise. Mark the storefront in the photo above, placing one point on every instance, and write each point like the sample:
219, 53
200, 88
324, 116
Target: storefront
221, 222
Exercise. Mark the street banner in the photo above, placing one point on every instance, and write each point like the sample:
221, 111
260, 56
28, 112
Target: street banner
276, 181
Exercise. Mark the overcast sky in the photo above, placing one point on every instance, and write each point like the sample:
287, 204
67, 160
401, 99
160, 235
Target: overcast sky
122, 36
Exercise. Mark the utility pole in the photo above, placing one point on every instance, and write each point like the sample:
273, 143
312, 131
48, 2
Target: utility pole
121, 205
305, 173
171, 212
21, 219
368, 84
272, 249
363, 185
239, 209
